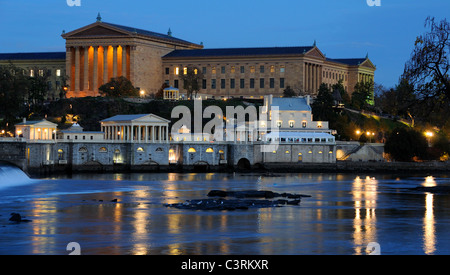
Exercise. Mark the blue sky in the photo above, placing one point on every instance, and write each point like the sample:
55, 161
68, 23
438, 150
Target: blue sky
342, 28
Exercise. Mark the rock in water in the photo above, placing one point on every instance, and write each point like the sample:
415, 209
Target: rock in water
16, 217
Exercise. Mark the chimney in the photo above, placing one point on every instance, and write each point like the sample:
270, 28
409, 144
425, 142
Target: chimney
308, 100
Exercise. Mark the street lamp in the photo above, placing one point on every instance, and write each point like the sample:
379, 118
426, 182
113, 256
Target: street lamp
429, 135
142, 93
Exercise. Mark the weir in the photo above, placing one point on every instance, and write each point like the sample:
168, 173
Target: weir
11, 176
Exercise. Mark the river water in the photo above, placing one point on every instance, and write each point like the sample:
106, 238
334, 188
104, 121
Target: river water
345, 213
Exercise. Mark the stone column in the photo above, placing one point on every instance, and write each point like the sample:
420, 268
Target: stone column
114, 61
86, 70
124, 61
77, 69
95, 72
105, 64
167, 134
153, 134
146, 133
159, 134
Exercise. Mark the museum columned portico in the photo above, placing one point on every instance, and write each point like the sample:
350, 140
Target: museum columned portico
89, 67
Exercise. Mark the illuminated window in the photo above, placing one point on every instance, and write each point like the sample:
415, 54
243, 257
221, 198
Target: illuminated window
310, 152
319, 124
41, 72
233, 69
31, 73
177, 71
331, 152
209, 150
279, 123
192, 150
103, 150
274, 152
320, 152
291, 123
252, 69
140, 149
282, 69
287, 152
185, 70
304, 124
213, 70
272, 69
195, 71
58, 72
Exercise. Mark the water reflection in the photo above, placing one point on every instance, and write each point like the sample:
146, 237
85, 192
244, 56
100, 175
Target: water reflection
364, 194
429, 231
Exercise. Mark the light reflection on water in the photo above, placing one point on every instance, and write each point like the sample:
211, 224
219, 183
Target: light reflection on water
344, 215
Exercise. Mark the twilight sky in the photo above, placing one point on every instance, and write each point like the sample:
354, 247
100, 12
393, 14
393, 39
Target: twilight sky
342, 28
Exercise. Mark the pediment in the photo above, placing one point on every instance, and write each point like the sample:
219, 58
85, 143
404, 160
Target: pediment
368, 64
151, 118
95, 30
315, 52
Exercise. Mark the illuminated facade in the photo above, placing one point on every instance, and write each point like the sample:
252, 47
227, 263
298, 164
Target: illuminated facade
100, 51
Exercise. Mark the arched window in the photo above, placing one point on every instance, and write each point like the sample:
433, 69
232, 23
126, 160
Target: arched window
82, 150
159, 149
140, 149
210, 150
192, 150
103, 150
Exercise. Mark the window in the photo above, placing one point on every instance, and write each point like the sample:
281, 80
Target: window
222, 155
213, 70
304, 124
167, 71
203, 83
204, 70
222, 83
291, 123
252, 69
213, 83
31, 73
185, 70
281, 82
261, 83
140, 149
233, 69
60, 154
261, 69
82, 150
175, 83
279, 123
272, 69
272, 83
41, 72
282, 69
159, 149
242, 83
103, 150
58, 72
232, 84
252, 83
242, 69
222, 69
209, 150
192, 150
287, 152
176, 71
195, 71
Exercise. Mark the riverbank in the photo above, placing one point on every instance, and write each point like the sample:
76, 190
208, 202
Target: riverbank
267, 169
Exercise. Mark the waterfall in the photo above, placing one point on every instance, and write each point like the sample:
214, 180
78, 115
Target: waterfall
11, 176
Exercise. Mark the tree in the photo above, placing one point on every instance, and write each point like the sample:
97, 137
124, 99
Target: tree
429, 66
119, 87
14, 86
289, 92
322, 106
340, 87
191, 78
363, 95
160, 93
38, 88
404, 144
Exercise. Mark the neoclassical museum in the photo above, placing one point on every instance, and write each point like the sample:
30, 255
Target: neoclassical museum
100, 51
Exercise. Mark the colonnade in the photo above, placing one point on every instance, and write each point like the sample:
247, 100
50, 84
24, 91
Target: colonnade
313, 77
89, 67
137, 133
362, 77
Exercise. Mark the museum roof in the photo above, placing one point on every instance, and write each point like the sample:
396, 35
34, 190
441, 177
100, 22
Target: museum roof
149, 33
33, 56
348, 61
239, 52
291, 103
